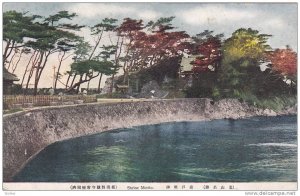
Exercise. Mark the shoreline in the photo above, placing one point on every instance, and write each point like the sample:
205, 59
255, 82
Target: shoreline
26, 133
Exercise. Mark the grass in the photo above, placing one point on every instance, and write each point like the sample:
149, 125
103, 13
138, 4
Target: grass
276, 103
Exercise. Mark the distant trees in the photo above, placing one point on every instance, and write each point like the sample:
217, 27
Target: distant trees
52, 38
283, 64
229, 67
90, 69
243, 53
16, 26
129, 29
284, 61
39, 36
92, 61
141, 46
146, 45
207, 48
234, 68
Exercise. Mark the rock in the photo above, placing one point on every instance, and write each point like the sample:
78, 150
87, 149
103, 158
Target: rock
292, 110
289, 110
28, 114
269, 112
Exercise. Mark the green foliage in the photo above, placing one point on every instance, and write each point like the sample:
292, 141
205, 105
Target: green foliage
87, 66
44, 36
245, 44
240, 75
105, 67
216, 94
107, 24
107, 51
163, 23
243, 52
236, 72
82, 50
205, 36
276, 103
17, 25
59, 16
81, 67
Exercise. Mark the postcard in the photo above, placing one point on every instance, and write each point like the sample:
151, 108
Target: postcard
177, 96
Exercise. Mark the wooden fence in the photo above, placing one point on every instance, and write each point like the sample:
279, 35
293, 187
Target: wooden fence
23, 101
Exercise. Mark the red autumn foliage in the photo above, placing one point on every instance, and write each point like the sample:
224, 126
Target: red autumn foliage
160, 43
148, 48
284, 61
210, 52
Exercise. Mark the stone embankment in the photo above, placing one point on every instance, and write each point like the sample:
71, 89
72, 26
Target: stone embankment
26, 133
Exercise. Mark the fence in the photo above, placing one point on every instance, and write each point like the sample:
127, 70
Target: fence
23, 101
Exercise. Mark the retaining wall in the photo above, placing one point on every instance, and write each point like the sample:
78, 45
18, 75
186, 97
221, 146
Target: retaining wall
27, 133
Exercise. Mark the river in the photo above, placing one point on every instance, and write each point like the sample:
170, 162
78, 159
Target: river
258, 149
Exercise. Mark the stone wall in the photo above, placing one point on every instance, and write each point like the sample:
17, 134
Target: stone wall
26, 133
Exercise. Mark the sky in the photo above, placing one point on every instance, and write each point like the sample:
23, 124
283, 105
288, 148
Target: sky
277, 19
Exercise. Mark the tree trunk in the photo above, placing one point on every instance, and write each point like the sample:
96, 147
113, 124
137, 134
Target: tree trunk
88, 87
11, 49
16, 65
10, 62
5, 52
97, 43
38, 67
111, 85
42, 68
34, 62
79, 83
39, 70
58, 69
26, 69
69, 76
99, 84
125, 69
117, 56
73, 80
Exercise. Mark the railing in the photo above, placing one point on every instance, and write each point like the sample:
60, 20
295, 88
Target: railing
23, 101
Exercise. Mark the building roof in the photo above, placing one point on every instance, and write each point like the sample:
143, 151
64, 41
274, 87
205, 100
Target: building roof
9, 76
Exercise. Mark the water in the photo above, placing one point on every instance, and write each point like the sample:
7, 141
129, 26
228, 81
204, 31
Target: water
256, 149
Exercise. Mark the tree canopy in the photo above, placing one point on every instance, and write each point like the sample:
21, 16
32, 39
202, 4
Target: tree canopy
222, 67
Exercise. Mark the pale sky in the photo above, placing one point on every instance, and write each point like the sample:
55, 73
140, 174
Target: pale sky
278, 19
